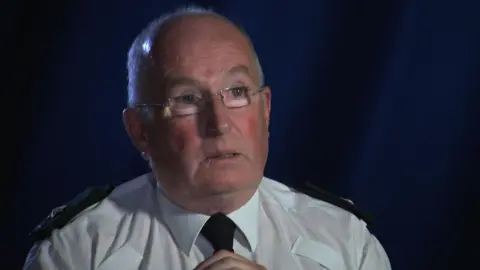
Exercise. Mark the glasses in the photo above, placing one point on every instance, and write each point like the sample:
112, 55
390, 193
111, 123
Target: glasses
194, 102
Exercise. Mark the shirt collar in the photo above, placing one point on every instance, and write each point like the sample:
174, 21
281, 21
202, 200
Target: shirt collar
185, 225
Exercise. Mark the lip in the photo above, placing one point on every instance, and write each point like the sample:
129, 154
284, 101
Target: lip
219, 153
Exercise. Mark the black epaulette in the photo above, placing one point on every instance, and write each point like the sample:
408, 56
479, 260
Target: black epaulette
323, 195
60, 216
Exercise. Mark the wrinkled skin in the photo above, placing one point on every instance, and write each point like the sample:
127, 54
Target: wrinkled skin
210, 53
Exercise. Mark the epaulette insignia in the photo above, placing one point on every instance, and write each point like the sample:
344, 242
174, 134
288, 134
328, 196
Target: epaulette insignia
315, 192
62, 215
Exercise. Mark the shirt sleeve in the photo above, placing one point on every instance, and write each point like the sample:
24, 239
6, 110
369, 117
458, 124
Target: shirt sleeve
43, 256
57, 252
369, 252
374, 256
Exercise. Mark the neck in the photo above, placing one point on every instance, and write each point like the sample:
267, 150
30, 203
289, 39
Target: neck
204, 201
208, 203
225, 203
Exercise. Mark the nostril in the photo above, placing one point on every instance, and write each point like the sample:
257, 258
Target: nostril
218, 129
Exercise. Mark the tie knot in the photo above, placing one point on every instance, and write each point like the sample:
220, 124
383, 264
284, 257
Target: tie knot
219, 230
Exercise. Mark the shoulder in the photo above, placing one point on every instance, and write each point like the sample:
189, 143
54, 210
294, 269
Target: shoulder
95, 206
325, 222
309, 201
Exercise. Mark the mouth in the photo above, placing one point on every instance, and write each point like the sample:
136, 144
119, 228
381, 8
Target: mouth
223, 155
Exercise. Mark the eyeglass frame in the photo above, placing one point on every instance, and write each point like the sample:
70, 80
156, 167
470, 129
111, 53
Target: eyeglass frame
208, 98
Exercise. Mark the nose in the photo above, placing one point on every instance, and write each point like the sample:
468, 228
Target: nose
217, 119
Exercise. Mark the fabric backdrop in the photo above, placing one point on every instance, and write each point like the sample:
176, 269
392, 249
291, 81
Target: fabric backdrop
377, 101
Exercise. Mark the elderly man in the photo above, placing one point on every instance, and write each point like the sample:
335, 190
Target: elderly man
199, 113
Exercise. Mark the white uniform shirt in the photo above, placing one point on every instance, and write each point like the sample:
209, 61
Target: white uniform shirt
136, 227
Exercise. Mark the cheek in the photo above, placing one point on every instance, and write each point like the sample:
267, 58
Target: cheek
182, 137
252, 126
253, 130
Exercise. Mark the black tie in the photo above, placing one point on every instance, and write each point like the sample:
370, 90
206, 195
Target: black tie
219, 231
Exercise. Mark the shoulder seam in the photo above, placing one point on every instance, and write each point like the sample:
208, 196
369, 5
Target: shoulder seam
61, 216
319, 194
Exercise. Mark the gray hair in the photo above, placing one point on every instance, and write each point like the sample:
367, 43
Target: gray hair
139, 56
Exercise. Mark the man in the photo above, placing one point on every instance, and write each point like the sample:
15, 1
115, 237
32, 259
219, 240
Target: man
199, 113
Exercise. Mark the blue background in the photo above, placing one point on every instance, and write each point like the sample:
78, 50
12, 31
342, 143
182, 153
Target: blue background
377, 101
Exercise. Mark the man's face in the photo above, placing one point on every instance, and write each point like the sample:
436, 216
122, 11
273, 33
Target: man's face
208, 55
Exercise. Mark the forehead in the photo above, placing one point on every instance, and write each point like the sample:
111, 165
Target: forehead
203, 47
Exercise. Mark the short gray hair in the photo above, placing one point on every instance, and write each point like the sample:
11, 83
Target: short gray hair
139, 57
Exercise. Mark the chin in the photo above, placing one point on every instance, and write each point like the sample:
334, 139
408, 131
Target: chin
228, 181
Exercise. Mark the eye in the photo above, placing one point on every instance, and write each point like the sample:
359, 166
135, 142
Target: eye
240, 91
187, 99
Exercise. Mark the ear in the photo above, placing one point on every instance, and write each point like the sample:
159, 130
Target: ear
136, 129
267, 103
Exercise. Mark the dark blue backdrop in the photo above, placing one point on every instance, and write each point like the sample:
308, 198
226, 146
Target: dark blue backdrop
377, 101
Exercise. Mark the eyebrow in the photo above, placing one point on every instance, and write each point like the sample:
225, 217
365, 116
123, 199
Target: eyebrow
172, 82
239, 69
